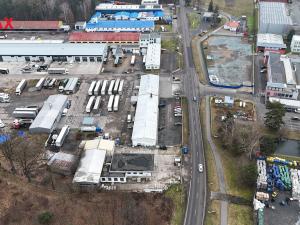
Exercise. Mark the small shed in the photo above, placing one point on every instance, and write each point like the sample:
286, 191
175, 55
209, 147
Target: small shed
63, 163
228, 101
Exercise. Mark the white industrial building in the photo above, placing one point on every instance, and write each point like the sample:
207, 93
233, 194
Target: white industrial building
153, 57
274, 18
270, 42
50, 114
149, 38
150, 2
146, 115
26, 52
295, 44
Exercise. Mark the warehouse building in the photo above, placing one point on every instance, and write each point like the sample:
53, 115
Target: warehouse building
146, 115
124, 38
274, 18
273, 42
153, 57
52, 51
281, 77
121, 26
295, 44
50, 114
149, 38
112, 8
37, 41
36, 25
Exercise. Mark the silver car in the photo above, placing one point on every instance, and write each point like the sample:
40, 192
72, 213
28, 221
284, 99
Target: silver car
200, 167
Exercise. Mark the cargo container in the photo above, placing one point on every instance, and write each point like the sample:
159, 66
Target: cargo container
71, 86
110, 103
120, 91
132, 62
90, 104
40, 83
116, 103
92, 86
62, 136
90, 129
97, 104
24, 114
111, 87
4, 98
33, 109
21, 87
58, 71
104, 87
97, 87
116, 87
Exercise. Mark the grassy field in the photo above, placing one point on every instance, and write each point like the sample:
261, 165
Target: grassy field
186, 129
212, 216
237, 8
196, 59
170, 44
194, 20
240, 215
177, 194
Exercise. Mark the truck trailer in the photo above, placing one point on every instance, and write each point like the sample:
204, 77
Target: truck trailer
111, 87
40, 83
116, 103
21, 87
90, 104
91, 89
62, 136
132, 62
104, 87
110, 103
116, 87
120, 90
97, 104
97, 89
58, 71
4, 98
24, 114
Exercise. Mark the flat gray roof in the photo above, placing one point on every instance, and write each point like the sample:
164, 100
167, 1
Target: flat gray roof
274, 13
132, 162
277, 69
52, 49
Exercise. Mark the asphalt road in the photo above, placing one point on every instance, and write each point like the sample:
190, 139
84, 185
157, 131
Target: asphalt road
195, 211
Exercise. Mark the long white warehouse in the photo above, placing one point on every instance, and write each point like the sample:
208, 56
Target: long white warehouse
153, 57
146, 115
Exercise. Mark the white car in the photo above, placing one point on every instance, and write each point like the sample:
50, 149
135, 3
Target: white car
200, 167
2, 125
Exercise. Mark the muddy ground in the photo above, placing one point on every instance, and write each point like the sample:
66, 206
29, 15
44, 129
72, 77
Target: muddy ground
21, 203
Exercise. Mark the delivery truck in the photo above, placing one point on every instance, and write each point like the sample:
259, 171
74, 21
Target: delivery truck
58, 71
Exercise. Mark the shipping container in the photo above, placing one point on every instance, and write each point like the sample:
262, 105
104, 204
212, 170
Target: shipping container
90, 104
40, 83
120, 91
104, 87
24, 114
97, 104
33, 109
110, 103
132, 62
97, 87
116, 87
58, 71
92, 86
111, 87
21, 87
116, 103
71, 86
62, 136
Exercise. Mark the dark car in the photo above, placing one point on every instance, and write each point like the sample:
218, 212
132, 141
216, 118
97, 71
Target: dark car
163, 147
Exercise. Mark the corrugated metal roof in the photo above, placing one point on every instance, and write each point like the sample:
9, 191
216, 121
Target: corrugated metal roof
153, 55
53, 49
35, 25
274, 13
121, 24
104, 36
270, 40
146, 115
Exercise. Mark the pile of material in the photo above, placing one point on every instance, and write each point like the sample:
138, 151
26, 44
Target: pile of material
262, 174
295, 177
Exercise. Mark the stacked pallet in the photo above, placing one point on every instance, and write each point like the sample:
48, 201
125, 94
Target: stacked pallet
262, 174
295, 177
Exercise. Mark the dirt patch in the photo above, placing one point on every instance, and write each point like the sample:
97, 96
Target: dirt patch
21, 204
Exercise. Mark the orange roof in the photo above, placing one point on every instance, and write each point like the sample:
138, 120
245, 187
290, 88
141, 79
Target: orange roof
104, 36
34, 25
234, 24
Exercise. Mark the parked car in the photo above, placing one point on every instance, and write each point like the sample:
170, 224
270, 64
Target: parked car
194, 98
200, 167
295, 118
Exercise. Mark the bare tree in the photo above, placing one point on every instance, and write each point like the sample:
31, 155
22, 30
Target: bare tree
7, 148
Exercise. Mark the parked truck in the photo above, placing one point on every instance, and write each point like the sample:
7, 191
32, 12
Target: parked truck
116, 103
111, 87
4, 98
63, 84
97, 104
4, 71
90, 104
97, 88
104, 87
92, 87
116, 87
120, 90
110, 103
40, 83
62, 136
132, 62
24, 114
21, 86
58, 71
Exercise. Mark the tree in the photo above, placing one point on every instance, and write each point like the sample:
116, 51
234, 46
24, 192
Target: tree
267, 145
211, 6
290, 35
45, 217
216, 10
273, 118
248, 175
225, 130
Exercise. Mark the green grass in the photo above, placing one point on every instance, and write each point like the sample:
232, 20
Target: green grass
250, 23
177, 194
196, 58
185, 118
214, 209
240, 215
170, 44
194, 20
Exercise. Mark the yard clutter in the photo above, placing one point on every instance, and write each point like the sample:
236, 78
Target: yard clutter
262, 174
295, 177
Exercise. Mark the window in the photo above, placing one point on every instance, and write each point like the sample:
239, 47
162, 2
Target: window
84, 59
27, 58
77, 59
92, 59
121, 179
109, 179
99, 59
115, 179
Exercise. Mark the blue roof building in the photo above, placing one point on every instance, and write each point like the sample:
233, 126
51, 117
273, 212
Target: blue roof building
121, 25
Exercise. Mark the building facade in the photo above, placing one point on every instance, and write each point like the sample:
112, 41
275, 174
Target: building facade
149, 38
295, 44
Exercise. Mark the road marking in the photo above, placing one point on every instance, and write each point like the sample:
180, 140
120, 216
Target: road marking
195, 212
197, 153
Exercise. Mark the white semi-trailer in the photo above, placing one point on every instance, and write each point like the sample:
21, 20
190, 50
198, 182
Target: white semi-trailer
110, 103
90, 104
62, 136
116, 103
58, 71
21, 87
40, 83
120, 90
116, 87
97, 87
92, 86
104, 87
97, 104
111, 87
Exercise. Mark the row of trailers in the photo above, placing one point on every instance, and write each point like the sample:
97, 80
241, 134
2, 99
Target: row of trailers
103, 87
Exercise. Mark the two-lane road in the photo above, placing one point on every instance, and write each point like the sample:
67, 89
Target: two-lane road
195, 211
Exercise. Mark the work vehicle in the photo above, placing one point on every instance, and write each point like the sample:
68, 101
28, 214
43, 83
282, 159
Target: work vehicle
200, 168
91, 89
4, 98
40, 83
62, 85
111, 87
51, 83
62, 136
58, 71
21, 86
110, 103
116, 103
90, 104
4, 71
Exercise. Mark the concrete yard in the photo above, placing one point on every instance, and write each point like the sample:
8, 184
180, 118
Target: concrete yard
231, 60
